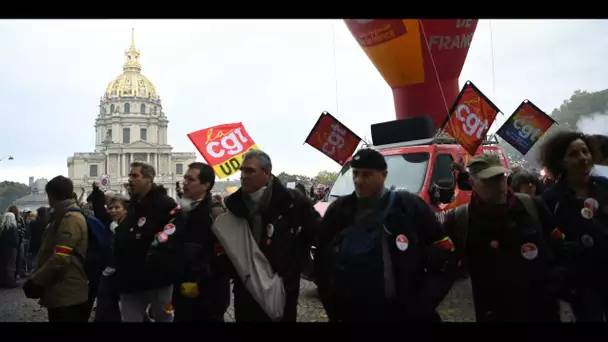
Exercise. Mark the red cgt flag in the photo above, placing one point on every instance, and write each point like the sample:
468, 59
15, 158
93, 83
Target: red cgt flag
470, 118
333, 139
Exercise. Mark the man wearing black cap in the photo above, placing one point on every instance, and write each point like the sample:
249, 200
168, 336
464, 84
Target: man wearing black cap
203, 291
503, 238
382, 255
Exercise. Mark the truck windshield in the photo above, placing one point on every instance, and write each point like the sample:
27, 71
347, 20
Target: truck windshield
405, 172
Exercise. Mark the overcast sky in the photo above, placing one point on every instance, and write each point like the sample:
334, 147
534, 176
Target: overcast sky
274, 76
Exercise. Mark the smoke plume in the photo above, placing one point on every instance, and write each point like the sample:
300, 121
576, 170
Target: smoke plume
596, 123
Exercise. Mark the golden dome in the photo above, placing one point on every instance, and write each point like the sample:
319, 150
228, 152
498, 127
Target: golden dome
131, 84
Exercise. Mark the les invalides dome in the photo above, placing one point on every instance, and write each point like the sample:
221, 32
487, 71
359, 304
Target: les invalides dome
130, 126
131, 83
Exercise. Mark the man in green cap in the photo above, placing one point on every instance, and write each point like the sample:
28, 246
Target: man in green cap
504, 239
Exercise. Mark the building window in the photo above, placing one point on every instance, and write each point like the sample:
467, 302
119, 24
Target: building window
143, 109
179, 169
109, 134
154, 110
93, 171
126, 135
143, 134
127, 108
111, 108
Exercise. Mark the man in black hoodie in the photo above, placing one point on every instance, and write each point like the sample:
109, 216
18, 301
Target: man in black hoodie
203, 291
146, 248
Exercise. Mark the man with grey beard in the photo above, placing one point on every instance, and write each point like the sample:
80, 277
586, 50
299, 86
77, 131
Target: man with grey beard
264, 235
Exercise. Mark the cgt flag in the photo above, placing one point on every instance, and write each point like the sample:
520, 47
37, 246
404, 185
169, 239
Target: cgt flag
332, 138
223, 147
470, 118
527, 124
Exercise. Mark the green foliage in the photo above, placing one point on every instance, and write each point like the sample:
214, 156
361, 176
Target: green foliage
286, 178
326, 177
581, 104
11, 191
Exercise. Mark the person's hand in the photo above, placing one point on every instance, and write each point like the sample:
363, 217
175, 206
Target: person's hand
189, 290
32, 290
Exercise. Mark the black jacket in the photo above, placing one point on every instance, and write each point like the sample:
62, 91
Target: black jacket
37, 228
423, 275
97, 199
139, 265
587, 265
9, 238
510, 284
295, 222
202, 264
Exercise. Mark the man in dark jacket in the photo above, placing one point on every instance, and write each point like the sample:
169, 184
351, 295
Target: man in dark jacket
37, 228
505, 240
146, 249
203, 291
99, 201
405, 265
283, 224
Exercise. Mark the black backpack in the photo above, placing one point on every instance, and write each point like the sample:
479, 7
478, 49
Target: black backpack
362, 269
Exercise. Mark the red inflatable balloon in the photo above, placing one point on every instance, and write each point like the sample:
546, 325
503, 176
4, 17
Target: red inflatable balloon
421, 60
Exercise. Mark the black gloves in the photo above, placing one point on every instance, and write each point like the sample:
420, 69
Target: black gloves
32, 290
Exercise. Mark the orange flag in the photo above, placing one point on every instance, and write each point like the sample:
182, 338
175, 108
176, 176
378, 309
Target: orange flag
470, 118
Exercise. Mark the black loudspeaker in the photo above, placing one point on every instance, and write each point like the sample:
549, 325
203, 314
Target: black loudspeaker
396, 131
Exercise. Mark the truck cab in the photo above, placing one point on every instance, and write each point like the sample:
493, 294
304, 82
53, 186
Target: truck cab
423, 167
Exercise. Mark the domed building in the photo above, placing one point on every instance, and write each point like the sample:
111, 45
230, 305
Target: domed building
130, 126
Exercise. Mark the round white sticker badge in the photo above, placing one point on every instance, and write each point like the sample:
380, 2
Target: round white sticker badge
592, 204
402, 242
529, 251
163, 237
587, 213
141, 222
169, 229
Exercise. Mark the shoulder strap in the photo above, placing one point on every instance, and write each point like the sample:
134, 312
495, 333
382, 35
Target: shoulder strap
390, 285
391, 201
461, 223
461, 214
530, 207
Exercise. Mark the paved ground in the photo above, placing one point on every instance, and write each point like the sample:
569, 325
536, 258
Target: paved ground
457, 306
14, 307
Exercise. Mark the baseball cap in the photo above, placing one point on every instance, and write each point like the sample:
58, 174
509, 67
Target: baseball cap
486, 166
368, 159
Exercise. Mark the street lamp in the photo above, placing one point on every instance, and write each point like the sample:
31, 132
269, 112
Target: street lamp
106, 142
9, 157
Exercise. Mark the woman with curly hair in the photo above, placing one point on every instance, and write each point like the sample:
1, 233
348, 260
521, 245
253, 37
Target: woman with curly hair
579, 202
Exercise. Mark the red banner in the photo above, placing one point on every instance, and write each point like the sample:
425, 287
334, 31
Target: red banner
223, 147
470, 118
333, 139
